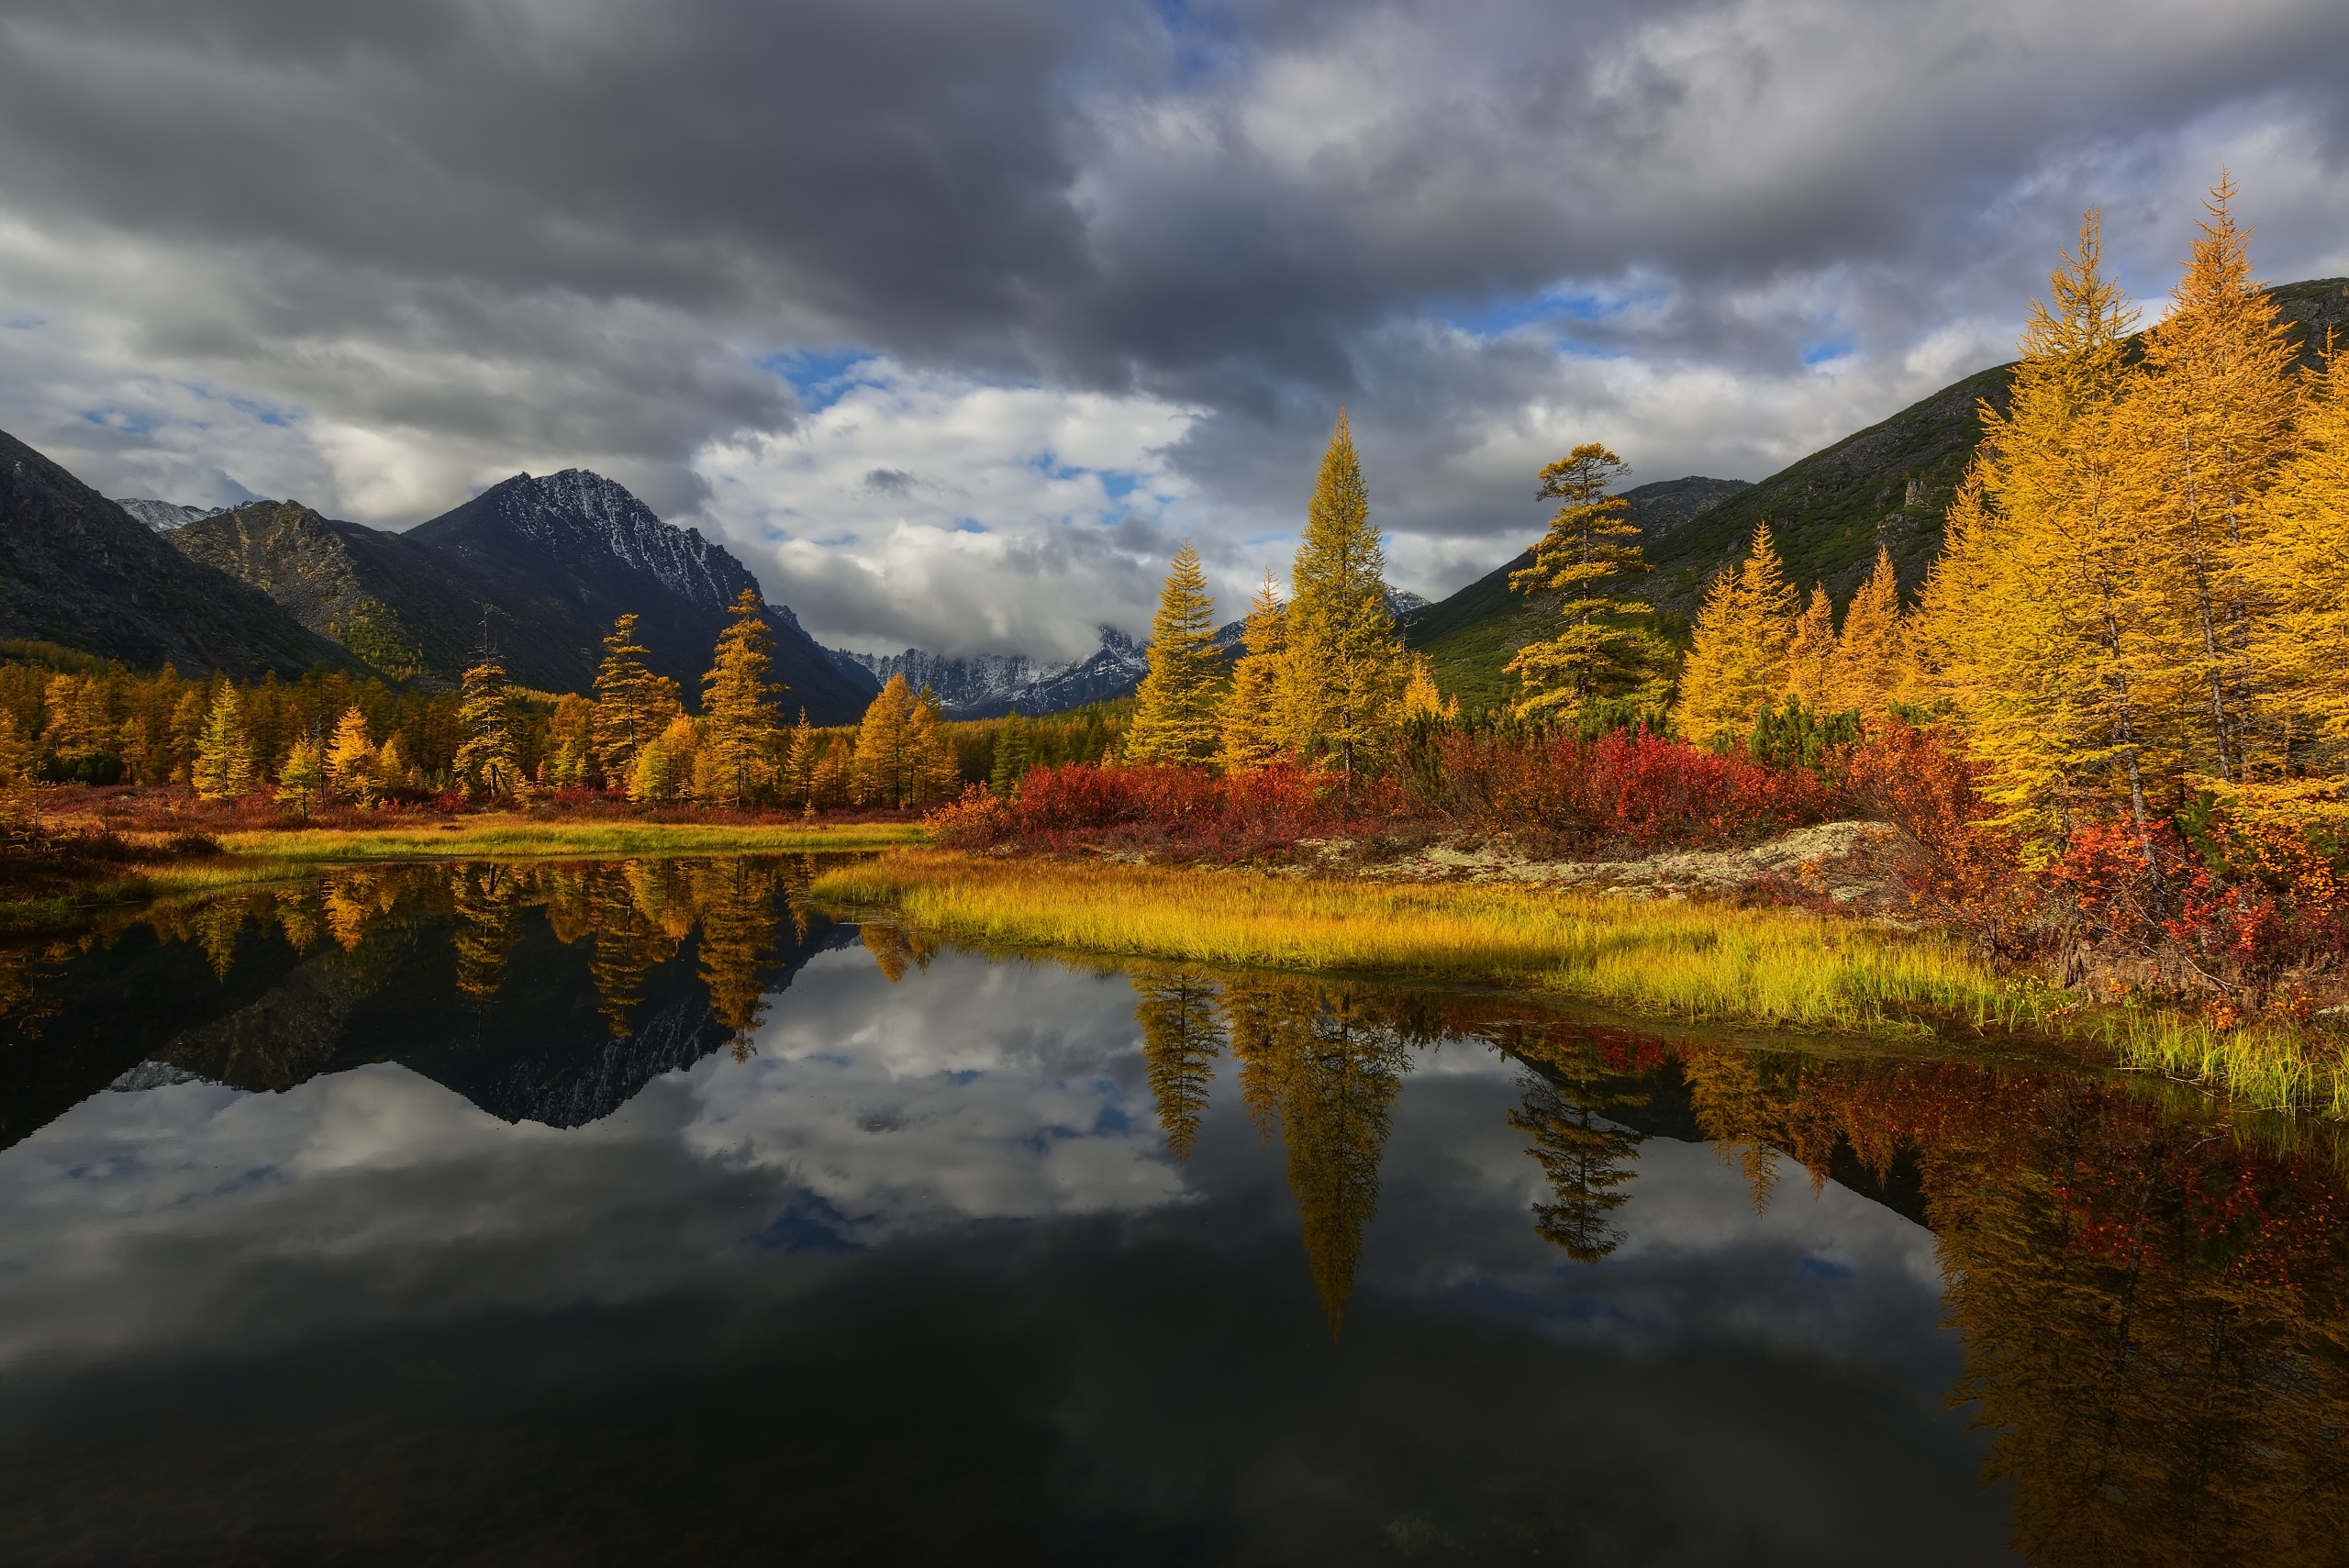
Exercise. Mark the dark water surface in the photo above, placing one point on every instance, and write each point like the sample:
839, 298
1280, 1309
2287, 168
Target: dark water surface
643, 1212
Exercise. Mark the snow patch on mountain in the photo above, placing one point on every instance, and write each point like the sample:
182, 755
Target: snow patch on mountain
986, 685
578, 509
165, 515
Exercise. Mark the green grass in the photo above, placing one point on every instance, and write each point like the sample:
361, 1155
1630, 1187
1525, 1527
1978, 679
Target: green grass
493, 838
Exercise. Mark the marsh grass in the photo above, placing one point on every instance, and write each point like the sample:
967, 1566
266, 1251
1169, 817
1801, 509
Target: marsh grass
494, 837
1700, 962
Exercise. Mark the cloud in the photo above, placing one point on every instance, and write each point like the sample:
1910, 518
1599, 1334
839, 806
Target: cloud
378, 258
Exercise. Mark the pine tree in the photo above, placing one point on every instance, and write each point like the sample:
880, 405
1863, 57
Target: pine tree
351, 759
2214, 408
303, 778
1250, 720
624, 716
1010, 756
1810, 651
484, 759
1593, 656
1174, 709
1868, 654
224, 756
1344, 687
882, 740
2043, 618
737, 707
1739, 661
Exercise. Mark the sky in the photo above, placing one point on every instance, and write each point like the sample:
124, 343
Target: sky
953, 318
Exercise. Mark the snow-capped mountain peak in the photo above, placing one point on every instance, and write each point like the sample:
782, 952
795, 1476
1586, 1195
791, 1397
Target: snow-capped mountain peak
579, 510
165, 515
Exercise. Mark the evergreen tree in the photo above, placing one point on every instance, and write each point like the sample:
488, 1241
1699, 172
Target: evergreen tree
1810, 651
2213, 409
1344, 665
624, 719
1010, 756
1174, 709
1593, 656
1868, 654
484, 760
737, 707
351, 759
223, 769
1739, 661
303, 778
1251, 718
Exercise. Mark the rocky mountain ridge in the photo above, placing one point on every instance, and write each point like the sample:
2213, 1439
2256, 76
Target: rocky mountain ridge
165, 515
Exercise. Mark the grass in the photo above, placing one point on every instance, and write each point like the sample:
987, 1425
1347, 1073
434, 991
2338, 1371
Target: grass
496, 837
1704, 964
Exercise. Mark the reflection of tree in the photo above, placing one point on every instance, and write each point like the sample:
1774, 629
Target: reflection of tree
627, 945
352, 899
1737, 1113
25, 1000
736, 899
488, 902
893, 948
1586, 1155
1322, 1063
1181, 1039
215, 927
297, 917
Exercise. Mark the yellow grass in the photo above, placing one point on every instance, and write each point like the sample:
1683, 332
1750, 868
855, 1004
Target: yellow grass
506, 837
1763, 966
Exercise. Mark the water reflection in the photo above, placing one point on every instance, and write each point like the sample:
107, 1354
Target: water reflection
544, 1166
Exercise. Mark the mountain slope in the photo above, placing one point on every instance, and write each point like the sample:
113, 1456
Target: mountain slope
1890, 483
567, 553
76, 569
988, 685
165, 515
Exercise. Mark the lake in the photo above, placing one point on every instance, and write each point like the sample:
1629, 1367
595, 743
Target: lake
645, 1213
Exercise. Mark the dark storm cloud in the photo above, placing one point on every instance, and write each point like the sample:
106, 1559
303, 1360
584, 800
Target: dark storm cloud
461, 236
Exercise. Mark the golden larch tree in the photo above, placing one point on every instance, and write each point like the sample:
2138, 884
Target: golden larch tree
1252, 733
486, 758
1174, 707
224, 756
1810, 651
1739, 661
2300, 573
739, 722
1869, 653
624, 716
1595, 655
1344, 667
351, 759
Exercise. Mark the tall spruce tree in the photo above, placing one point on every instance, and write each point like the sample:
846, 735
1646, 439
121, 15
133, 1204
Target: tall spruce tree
1175, 708
485, 759
624, 719
1739, 661
1597, 653
1345, 666
1249, 724
739, 723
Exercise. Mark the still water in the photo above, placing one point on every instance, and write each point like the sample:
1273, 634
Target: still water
646, 1213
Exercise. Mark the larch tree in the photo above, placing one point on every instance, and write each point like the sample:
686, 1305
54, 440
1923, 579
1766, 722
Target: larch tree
1597, 654
1249, 722
739, 724
351, 759
799, 763
1422, 699
302, 778
1010, 760
932, 770
224, 755
624, 719
1869, 655
1810, 651
2213, 412
882, 740
2300, 573
486, 758
1174, 707
2045, 615
1739, 661
1344, 667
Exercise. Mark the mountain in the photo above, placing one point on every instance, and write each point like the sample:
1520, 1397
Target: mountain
560, 556
988, 685
543, 565
77, 570
165, 515
1890, 483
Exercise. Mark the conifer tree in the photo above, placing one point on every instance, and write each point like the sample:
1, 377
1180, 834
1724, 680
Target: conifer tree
351, 759
2213, 412
303, 778
799, 761
624, 719
1421, 699
1010, 756
932, 772
570, 743
1810, 651
1869, 655
1585, 546
2043, 617
1739, 661
882, 745
737, 707
2300, 573
1344, 685
189, 717
1174, 709
485, 759
224, 757
1250, 725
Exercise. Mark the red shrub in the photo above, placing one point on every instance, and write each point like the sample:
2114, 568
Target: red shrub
1954, 863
